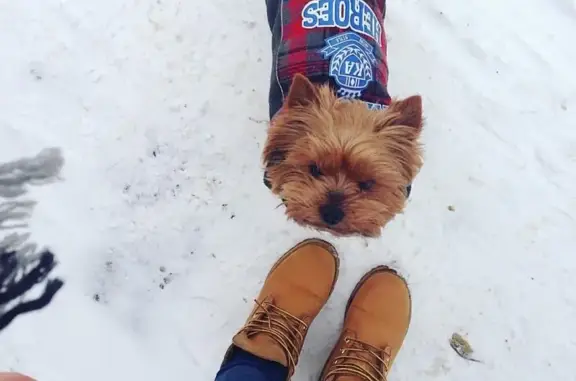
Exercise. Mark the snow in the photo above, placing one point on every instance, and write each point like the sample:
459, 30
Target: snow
159, 108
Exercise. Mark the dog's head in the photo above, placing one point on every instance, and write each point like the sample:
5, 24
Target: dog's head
339, 166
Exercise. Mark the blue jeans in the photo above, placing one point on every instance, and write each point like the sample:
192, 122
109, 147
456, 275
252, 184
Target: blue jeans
244, 366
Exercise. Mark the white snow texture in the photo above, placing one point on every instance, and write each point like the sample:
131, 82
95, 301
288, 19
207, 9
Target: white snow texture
160, 108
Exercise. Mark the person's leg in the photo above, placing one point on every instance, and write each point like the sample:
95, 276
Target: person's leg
244, 366
267, 348
375, 325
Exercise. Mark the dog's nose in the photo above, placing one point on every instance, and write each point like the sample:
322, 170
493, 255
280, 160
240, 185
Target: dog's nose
331, 214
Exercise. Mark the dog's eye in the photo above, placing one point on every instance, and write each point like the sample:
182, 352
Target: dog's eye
314, 170
366, 185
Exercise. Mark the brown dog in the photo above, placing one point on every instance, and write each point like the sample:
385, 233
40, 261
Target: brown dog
340, 153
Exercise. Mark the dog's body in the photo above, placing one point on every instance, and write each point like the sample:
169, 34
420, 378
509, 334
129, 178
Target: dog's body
349, 53
340, 152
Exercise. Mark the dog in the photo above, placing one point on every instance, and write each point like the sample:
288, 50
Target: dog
340, 152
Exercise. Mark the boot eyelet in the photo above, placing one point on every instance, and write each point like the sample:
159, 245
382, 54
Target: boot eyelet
347, 340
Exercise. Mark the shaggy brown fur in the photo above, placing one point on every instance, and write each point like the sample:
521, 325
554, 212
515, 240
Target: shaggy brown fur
339, 166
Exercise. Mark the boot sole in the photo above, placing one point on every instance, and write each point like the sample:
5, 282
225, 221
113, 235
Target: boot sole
360, 283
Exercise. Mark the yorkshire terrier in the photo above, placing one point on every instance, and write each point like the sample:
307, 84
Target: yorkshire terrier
340, 153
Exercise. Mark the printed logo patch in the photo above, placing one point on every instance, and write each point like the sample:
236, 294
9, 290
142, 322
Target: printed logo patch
375, 106
344, 14
351, 63
370, 105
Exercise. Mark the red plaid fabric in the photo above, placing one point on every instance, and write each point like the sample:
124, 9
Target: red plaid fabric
340, 42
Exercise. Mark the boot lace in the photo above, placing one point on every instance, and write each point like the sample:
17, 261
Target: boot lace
284, 328
361, 360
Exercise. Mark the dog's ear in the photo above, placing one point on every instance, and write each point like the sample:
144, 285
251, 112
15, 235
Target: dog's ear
302, 92
399, 127
284, 131
286, 128
405, 112
409, 112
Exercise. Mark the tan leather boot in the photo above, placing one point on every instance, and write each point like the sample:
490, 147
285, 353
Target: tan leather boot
375, 324
293, 294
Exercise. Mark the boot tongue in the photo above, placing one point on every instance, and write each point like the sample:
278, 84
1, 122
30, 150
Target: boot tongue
263, 346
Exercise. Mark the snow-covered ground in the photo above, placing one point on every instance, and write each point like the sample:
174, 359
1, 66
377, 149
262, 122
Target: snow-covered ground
160, 107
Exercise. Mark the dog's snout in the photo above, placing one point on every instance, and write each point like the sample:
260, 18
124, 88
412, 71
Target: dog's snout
335, 197
331, 214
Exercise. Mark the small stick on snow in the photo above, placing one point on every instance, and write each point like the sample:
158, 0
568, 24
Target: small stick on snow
462, 347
